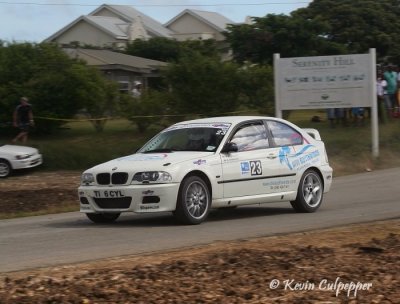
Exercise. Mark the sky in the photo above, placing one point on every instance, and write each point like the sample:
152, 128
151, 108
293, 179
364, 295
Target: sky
36, 20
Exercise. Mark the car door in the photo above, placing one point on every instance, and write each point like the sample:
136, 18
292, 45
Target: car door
254, 168
289, 146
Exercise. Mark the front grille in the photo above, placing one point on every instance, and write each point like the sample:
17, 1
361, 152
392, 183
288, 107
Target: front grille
117, 178
103, 178
113, 203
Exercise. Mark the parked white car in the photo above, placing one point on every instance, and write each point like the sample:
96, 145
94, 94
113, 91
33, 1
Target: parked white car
14, 157
220, 162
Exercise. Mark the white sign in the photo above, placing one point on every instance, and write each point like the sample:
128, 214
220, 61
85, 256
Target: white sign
341, 81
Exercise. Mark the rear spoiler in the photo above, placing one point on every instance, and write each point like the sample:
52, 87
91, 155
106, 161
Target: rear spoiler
313, 133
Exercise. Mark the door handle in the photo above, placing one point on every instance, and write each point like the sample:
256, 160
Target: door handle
272, 156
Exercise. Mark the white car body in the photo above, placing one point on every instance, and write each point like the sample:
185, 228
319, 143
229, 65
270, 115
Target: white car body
13, 157
266, 167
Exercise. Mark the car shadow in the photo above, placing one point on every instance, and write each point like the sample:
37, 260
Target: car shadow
166, 219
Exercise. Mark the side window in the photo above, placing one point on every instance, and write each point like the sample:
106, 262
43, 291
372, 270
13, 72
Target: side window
251, 137
284, 135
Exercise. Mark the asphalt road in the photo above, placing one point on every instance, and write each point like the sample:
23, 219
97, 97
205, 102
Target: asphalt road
51, 240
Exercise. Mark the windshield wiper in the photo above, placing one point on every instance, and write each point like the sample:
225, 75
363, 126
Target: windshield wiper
163, 150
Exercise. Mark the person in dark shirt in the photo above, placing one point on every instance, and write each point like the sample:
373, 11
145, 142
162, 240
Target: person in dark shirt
23, 119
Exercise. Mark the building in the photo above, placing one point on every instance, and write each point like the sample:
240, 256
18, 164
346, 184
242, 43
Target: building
113, 26
124, 69
109, 26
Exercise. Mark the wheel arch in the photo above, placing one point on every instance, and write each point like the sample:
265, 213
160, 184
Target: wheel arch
202, 175
7, 161
319, 174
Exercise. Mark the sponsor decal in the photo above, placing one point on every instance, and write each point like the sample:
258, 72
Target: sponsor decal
251, 167
279, 184
245, 168
199, 125
299, 160
149, 207
143, 157
200, 162
148, 192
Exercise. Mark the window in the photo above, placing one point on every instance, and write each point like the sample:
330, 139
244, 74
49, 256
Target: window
283, 135
251, 137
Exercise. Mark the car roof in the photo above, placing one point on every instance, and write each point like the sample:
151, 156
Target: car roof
227, 119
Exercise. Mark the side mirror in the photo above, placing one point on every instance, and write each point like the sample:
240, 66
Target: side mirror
230, 147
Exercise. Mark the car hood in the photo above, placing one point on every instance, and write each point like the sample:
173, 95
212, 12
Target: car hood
151, 161
16, 150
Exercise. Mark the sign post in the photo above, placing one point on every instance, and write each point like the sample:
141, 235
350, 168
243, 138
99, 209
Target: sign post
323, 82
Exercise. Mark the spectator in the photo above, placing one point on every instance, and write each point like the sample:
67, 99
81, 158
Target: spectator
137, 89
23, 119
381, 91
391, 78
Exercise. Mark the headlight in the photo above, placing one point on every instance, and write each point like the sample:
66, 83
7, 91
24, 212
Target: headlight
152, 176
22, 156
87, 178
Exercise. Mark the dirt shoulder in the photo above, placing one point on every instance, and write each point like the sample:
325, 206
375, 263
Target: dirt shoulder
351, 264
38, 193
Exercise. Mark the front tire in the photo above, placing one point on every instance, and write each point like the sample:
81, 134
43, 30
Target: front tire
194, 201
5, 168
103, 218
310, 193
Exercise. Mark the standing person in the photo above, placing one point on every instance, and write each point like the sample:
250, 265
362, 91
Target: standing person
381, 91
137, 90
23, 119
391, 78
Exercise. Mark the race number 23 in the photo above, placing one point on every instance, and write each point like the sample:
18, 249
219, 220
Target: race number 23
255, 167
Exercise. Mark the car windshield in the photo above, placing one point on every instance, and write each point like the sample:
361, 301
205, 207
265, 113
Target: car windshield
187, 137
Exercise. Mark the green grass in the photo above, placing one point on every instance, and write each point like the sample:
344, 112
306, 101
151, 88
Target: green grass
78, 146
350, 147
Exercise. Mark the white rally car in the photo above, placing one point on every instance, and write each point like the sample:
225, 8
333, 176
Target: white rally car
14, 157
219, 162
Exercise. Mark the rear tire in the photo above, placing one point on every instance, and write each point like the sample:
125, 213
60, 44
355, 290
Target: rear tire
194, 201
310, 193
5, 168
103, 218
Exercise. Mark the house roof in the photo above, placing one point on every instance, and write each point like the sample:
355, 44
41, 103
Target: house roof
114, 27
129, 14
118, 27
215, 20
106, 58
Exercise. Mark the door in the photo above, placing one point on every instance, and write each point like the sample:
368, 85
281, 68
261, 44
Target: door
255, 169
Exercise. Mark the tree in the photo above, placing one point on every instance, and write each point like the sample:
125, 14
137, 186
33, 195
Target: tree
170, 50
256, 88
203, 85
291, 36
56, 85
359, 24
148, 110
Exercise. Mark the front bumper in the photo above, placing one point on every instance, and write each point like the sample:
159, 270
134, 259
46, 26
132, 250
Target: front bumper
133, 198
30, 162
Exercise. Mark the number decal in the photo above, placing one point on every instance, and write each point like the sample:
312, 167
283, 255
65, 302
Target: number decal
255, 167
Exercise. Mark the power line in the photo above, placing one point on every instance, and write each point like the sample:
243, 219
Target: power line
156, 5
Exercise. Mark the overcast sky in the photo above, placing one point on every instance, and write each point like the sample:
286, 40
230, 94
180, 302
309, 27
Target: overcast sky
35, 20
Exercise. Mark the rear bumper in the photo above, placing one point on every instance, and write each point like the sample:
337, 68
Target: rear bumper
327, 175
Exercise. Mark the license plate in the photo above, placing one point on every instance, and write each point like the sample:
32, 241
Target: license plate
108, 193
